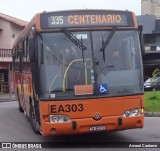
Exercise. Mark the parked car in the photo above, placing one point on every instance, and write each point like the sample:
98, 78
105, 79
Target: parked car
152, 83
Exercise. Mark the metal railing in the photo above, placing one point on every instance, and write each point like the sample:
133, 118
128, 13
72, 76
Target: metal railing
5, 55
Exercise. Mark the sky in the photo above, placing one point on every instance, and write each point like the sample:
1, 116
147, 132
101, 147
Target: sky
26, 9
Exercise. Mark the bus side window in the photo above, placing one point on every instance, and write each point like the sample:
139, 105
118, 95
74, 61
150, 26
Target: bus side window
24, 55
16, 60
27, 56
13, 65
24, 47
20, 60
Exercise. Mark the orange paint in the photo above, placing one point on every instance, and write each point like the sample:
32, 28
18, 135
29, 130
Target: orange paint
109, 108
83, 89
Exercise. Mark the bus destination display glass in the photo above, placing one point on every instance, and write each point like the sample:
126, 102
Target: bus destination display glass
86, 19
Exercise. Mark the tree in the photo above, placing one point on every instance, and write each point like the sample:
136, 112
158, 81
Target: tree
155, 74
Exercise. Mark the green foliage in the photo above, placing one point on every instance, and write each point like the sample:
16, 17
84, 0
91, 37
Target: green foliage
156, 73
152, 101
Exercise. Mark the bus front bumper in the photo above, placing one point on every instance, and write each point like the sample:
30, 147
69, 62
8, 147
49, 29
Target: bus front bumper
89, 125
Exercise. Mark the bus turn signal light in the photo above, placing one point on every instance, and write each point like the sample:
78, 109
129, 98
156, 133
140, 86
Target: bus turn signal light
46, 118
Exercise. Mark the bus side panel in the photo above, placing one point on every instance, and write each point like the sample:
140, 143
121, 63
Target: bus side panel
27, 90
11, 82
18, 82
23, 89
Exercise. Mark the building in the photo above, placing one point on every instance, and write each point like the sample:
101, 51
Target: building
150, 19
150, 7
10, 27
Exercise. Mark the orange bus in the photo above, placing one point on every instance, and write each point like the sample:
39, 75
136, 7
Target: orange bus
80, 71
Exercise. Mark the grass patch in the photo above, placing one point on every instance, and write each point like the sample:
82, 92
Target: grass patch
152, 101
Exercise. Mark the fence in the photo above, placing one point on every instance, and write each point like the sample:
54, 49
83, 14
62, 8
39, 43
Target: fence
6, 53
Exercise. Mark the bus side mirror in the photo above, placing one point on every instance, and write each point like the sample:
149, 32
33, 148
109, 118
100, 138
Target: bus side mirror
140, 29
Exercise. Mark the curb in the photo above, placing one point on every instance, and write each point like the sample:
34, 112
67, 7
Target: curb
7, 101
152, 114
3, 98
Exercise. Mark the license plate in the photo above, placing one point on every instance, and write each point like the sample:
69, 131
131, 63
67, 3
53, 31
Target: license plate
147, 86
97, 128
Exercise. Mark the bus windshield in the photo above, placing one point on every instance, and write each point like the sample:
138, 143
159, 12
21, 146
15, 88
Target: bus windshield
64, 66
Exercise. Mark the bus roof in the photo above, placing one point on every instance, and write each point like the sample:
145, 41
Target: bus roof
80, 18
85, 18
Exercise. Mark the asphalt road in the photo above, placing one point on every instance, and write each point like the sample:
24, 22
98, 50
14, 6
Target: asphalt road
14, 127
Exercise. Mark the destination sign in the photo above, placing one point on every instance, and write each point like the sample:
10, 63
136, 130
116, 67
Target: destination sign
86, 19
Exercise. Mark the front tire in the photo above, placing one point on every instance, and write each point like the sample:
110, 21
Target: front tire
32, 120
19, 104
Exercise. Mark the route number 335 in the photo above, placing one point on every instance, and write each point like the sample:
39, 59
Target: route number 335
56, 20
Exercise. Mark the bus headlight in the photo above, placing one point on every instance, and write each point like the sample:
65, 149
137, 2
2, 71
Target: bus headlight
132, 113
59, 119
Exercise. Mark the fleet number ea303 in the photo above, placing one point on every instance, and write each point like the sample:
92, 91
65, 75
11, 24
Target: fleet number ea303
66, 108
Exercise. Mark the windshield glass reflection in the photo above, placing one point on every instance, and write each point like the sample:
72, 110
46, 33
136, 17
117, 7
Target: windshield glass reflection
64, 66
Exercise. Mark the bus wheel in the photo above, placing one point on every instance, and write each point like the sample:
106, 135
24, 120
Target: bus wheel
19, 104
32, 120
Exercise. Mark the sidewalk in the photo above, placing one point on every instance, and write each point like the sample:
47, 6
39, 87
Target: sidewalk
5, 97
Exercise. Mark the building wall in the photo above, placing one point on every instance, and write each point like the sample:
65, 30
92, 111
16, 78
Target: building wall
8, 34
5, 34
10, 29
157, 9
15, 31
148, 22
147, 7
150, 7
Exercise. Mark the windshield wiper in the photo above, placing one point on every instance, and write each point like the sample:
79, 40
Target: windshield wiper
74, 39
106, 42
